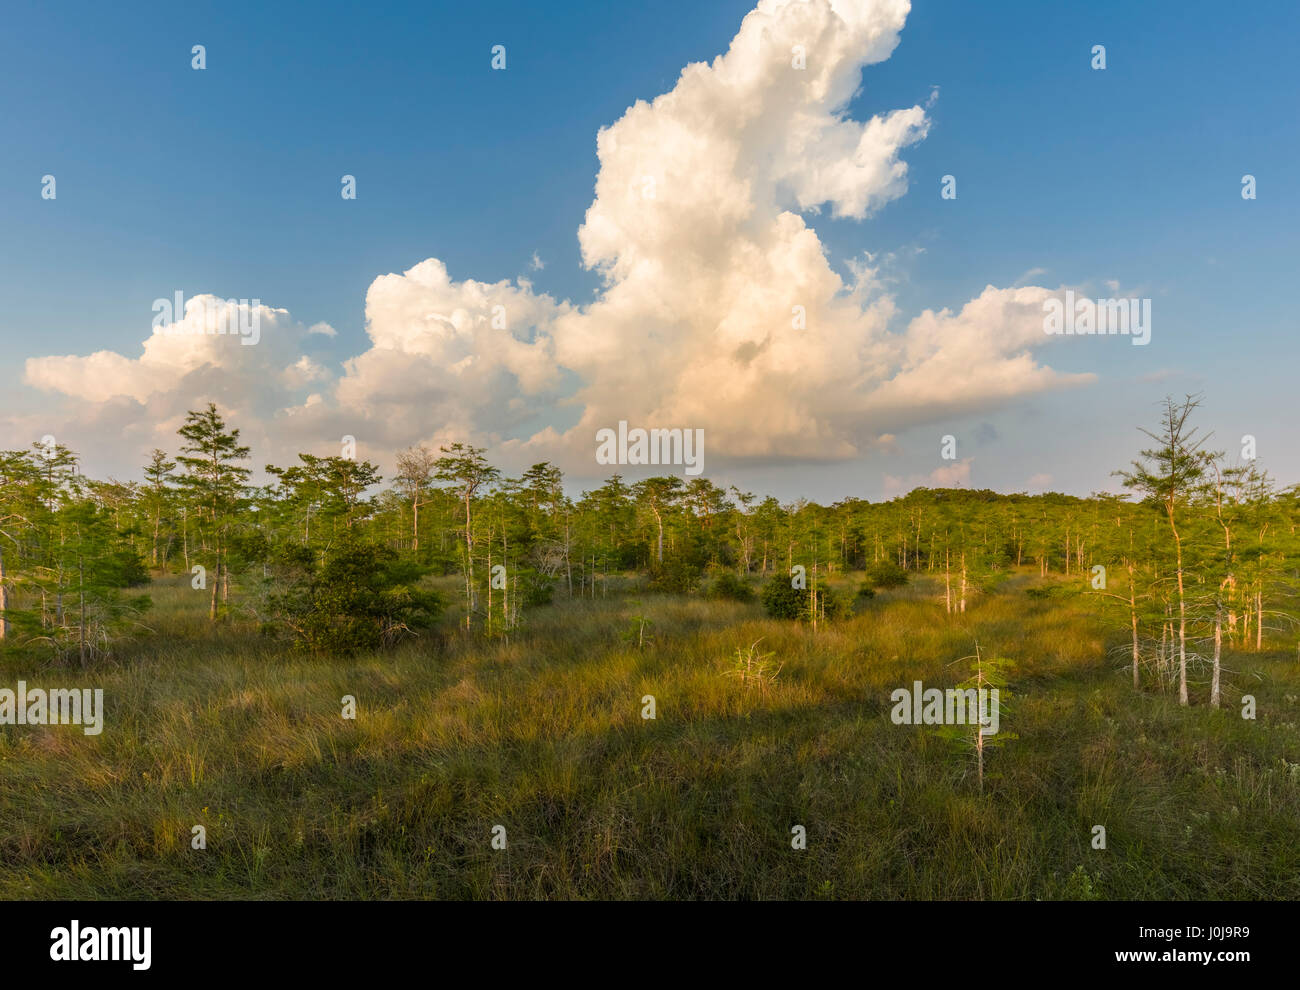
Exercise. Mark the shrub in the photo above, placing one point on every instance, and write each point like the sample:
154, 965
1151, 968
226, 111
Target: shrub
675, 576
781, 601
537, 588
885, 575
359, 597
731, 588
833, 604
126, 569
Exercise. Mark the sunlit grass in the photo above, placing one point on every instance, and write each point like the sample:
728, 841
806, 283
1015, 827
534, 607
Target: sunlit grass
543, 734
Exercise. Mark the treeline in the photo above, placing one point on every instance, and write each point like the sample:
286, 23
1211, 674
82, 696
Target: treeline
329, 554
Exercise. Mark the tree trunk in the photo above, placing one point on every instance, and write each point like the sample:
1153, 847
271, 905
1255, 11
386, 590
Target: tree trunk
470, 596
1133, 616
1182, 616
4, 597
947, 580
81, 580
1218, 643
568, 567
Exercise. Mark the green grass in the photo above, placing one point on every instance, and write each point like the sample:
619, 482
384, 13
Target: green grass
543, 735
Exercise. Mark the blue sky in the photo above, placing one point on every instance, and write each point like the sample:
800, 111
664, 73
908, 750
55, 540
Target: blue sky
226, 181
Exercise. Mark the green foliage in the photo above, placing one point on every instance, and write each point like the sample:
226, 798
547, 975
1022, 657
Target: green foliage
676, 575
833, 604
885, 575
988, 674
360, 597
535, 588
123, 567
781, 601
729, 587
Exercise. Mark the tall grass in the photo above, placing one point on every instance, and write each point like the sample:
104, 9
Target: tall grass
543, 735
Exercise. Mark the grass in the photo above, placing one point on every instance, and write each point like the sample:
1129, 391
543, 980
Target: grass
544, 736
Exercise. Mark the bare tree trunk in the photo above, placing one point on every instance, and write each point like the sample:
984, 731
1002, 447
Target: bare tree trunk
81, 580
1133, 615
4, 597
568, 567
1182, 619
813, 597
469, 566
947, 580
216, 580
963, 582
1164, 641
1218, 643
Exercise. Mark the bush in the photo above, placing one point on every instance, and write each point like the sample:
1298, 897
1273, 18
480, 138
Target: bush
729, 587
676, 576
781, 601
537, 588
833, 604
359, 597
885, 575
126, 569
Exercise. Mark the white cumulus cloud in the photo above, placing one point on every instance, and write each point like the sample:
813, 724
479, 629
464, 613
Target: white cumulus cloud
719, 308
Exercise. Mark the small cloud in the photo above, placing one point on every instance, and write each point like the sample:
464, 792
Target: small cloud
1031, 274
302, 372
537, 264
1155, 377
886, 443
951, 475
323, 329
956, 475
1040, 481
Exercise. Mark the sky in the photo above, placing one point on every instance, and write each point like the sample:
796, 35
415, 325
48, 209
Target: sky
678, 215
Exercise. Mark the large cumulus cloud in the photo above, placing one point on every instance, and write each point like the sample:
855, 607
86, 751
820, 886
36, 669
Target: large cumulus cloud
719, 307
